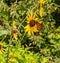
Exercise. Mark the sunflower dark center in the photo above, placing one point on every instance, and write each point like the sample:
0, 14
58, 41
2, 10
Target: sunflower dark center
32, 23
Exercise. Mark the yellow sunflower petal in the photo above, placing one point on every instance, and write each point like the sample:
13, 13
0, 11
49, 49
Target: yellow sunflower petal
29, 32
32, 32
27, 28
1, 49
34, 15
31, 13
0, 52
35, 29
15, 36
41, 7
41, 12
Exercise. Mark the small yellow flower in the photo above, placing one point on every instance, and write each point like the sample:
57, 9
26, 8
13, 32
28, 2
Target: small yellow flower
41, 7
14, 31
31, 24
1, 49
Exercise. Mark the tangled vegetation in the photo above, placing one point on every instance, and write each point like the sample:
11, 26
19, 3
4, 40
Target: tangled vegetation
29, 31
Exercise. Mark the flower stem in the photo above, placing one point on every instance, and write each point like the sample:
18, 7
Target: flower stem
8, 52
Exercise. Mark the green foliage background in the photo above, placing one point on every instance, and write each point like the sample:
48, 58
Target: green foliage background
40, 48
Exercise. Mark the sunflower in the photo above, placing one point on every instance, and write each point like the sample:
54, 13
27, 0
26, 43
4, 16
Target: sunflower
31, 26
14, 31
41, 7
1, 49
